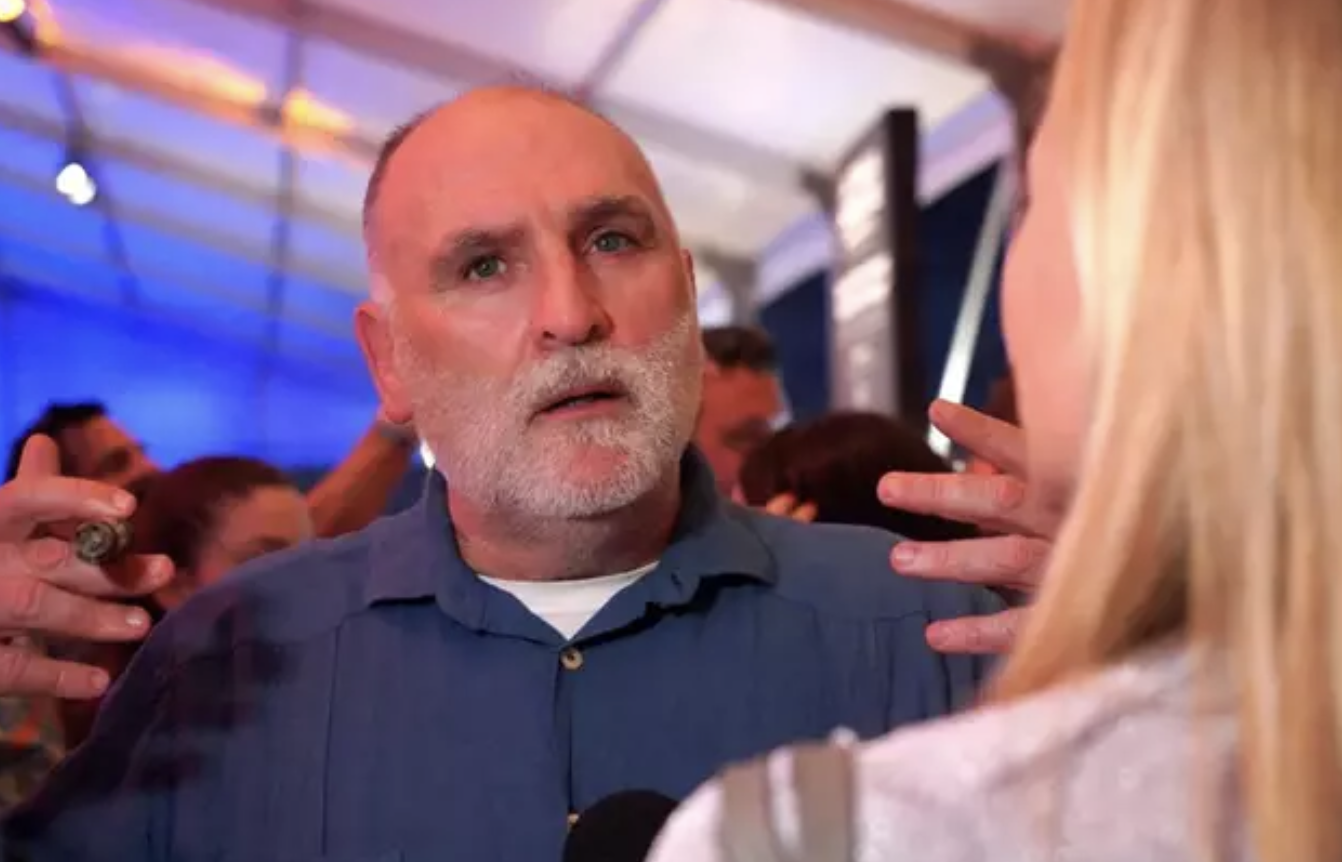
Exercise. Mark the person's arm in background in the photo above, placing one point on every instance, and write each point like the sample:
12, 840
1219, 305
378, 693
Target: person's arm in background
356, 492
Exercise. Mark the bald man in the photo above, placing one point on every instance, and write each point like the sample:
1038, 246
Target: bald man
573, 612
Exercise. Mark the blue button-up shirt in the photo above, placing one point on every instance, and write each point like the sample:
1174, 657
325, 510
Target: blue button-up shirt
370, 698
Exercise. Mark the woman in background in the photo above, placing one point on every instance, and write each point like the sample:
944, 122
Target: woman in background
1173, 310
208, 516
831, 465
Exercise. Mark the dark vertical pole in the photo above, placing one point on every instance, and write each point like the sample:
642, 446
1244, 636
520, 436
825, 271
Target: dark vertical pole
874, 308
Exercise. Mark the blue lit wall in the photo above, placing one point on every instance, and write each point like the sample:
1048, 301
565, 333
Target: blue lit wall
185, 392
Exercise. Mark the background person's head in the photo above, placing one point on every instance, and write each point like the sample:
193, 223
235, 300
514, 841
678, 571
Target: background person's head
211, 515
742, 398
208, 516
533, 313
1173, 310
835, 463
91, 444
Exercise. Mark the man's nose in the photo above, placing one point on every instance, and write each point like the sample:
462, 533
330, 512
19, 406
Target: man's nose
569, 309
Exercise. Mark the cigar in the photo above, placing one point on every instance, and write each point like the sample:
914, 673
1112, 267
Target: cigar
99, 543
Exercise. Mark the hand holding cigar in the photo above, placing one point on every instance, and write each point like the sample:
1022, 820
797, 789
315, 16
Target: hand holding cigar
63, 583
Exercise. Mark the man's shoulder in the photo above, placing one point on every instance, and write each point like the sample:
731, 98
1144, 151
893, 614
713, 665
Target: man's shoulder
845, 570
282, 598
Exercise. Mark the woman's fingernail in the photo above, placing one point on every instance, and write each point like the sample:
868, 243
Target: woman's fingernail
905, 554
123, 502
137, 619
98, 680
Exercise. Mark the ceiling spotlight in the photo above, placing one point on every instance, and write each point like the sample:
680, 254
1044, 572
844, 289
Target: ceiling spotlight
12, 10
75, 183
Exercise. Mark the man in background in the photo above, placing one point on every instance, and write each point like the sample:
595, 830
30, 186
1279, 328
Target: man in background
742, 401
93, 445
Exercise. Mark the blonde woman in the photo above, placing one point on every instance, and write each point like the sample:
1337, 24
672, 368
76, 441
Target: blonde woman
1174, 314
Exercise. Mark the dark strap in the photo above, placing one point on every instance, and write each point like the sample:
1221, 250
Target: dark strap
822, 777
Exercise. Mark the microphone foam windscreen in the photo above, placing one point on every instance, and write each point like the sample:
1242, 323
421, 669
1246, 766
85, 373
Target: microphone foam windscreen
619, 828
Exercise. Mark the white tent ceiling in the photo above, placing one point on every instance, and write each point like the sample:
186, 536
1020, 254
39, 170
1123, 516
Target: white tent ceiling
231, 138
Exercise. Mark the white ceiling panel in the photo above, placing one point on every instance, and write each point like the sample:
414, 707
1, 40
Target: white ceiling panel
237, 224
34, 159
376, 96
792, 83
560, 39
720, 209
177, 135
337, 258
333, 185
155, 255
1046, 18
28, 87
47, 218
192, 42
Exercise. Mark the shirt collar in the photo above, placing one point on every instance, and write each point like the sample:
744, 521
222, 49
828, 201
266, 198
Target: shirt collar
416, 555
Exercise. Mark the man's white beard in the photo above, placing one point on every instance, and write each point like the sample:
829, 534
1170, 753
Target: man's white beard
483, 440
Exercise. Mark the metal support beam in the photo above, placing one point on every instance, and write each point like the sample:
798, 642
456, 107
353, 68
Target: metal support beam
737, 277
1023, 80
75, 135
822, 190
634, 25
280, 239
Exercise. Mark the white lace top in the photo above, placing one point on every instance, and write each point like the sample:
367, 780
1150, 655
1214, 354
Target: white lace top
1101, 771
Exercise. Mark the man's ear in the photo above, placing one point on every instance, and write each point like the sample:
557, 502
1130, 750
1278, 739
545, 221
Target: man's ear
371, 328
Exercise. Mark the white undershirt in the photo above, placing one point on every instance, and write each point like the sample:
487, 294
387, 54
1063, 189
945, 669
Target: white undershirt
569, 605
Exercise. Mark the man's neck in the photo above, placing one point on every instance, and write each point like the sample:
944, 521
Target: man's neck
513, 548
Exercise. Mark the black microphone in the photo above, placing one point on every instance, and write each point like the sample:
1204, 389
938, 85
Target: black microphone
619, 828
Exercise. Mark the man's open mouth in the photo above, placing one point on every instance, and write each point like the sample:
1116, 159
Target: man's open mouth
583, 396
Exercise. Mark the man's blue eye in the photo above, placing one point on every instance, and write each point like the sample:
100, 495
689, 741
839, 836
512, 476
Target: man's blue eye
485, 268
612, 242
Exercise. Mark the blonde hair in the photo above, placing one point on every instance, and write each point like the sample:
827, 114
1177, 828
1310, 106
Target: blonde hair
1204, 161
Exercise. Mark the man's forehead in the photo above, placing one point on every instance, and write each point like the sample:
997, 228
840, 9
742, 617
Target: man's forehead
496, 156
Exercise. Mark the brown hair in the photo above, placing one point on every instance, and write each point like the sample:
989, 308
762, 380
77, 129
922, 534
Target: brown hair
180, 509
835, 463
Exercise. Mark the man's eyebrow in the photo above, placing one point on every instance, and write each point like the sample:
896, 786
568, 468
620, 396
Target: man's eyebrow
478, 238
472, 241
595, 210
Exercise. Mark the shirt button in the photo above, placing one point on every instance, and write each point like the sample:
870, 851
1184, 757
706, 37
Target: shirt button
572, 819
571, 658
